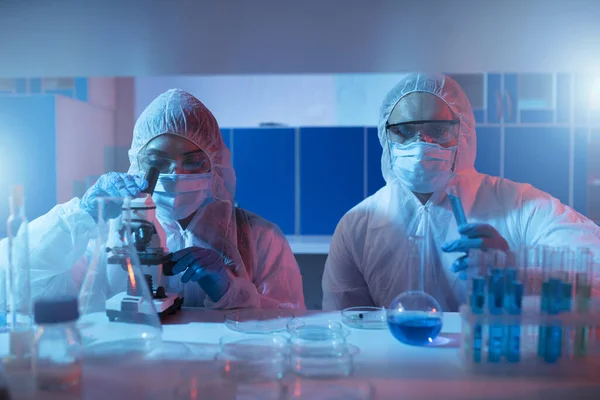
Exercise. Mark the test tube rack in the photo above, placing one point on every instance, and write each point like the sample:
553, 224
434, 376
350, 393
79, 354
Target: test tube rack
531, 313
480, 353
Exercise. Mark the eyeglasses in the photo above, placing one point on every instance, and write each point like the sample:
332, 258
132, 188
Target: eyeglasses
438, 131
196, 163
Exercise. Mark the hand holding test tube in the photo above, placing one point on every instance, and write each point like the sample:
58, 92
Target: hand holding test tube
473, 235
461, 220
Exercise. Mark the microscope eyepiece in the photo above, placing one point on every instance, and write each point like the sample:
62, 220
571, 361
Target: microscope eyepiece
151, 177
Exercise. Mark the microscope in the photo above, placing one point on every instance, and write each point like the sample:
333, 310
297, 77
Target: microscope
149, 240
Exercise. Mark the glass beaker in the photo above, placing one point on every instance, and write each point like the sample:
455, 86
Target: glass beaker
415, 317
118, 316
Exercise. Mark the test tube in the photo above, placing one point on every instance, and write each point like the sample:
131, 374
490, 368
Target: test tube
457, 208
477, 273
513, 304
531, 272
583, 294
544, 261
496, 265
553, 291
566, 277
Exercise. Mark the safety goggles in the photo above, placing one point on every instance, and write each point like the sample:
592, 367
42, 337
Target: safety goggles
440, 132
194, 163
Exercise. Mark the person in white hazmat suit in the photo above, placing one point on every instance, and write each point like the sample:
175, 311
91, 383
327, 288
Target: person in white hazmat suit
427, 131
225, 257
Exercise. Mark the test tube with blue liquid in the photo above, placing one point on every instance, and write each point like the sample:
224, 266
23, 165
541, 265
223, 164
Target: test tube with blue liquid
477, 274
456, 204
477, 281
566, 276
496, 289
583, 264
543, 253
515, 275
552, 303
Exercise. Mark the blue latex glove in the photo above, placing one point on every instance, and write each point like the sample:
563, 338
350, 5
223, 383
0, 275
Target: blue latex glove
474, 236
113, 184
205, 266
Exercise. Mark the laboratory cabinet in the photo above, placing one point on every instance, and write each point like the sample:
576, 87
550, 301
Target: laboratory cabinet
76, 88
528, 98
264, 162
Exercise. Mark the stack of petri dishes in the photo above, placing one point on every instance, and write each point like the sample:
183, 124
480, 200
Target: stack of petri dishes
252, 358
319, 349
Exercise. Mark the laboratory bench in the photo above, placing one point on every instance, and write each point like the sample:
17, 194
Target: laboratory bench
309, 244
390, 369
311, 253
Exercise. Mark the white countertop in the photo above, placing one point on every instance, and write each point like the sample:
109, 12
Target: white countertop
391, 369
309, 244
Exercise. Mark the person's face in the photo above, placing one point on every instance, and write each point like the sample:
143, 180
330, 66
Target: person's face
173, 154
424, 117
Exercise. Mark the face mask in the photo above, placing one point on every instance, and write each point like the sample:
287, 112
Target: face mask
422, 167
177, 196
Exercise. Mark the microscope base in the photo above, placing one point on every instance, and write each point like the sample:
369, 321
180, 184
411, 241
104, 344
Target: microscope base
125, 307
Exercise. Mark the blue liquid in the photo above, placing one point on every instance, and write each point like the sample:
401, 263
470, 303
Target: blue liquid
415, 330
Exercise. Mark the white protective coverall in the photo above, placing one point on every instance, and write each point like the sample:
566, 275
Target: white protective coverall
368, 262
264, 272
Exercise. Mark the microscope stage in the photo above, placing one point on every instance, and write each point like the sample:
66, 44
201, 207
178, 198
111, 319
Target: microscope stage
122, 304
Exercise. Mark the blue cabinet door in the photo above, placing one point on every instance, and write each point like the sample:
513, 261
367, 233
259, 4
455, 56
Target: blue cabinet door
332, 169
375, 179
539, 156
264, 164
487, 160
226, 135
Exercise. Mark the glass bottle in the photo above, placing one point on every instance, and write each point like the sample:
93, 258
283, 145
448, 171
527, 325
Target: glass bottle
58, 351
18, 287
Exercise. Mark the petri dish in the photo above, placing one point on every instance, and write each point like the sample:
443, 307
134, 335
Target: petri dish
317, 329
183, 351
322, 366
319, 341
319, 350
195, 388
253, 359
365, 317
258, 321
301, 389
